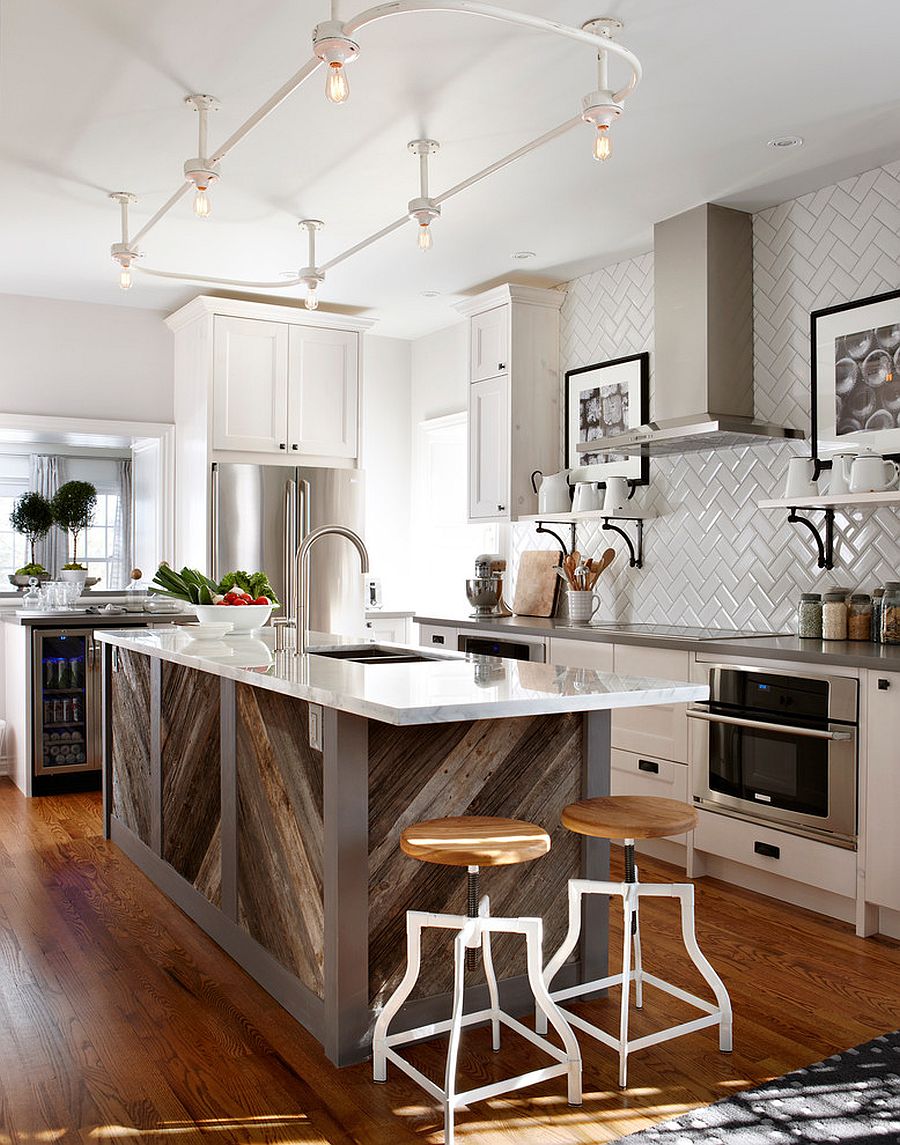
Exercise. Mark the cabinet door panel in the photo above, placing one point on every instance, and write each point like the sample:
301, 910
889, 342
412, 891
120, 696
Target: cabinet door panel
581, 654
882, 811
323, 397
250, 373
659, 730
489, 345
489, 449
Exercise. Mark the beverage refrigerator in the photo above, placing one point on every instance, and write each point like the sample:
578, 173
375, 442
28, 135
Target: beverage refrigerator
65, 703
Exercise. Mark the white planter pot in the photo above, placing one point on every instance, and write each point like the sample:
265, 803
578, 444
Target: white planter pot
73, 576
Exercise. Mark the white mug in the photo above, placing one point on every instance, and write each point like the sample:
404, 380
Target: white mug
870, 473
582, 604
800, 478
617, 493
840, 474
586, 497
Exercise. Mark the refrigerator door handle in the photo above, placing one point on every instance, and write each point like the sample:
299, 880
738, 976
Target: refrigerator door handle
214, 522
287, 569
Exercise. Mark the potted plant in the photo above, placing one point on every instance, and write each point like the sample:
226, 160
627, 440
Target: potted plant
32, 518
73, 507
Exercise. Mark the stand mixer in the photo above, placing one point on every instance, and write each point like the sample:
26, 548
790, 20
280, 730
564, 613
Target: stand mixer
484, 591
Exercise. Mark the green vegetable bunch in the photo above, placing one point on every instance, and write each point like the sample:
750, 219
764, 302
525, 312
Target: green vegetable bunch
194, 587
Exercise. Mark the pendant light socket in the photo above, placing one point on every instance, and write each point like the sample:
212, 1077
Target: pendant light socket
332, 45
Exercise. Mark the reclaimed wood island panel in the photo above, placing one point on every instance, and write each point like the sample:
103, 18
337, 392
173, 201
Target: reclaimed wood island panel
282, 842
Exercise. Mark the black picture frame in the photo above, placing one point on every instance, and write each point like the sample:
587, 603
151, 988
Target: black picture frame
638, 465
825, 326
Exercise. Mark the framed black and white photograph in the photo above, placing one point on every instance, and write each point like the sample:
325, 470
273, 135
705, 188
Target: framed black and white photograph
604, 400
855, 375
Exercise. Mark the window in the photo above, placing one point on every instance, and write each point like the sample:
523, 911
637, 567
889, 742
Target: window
105, 546
13, 548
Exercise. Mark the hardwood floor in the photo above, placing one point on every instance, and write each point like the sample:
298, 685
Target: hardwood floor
120, 1020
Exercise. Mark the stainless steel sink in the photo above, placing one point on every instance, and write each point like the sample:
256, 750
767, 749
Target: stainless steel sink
374, 654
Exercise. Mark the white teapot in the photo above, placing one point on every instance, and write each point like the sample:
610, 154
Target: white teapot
870, 473
553, 493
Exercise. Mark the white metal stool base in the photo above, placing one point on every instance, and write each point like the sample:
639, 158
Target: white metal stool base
475, 933
630, 893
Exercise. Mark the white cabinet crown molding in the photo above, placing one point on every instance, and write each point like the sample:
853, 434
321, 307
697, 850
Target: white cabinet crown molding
208, 305
511, 292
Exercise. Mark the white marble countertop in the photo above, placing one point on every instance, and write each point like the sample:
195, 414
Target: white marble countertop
444, 689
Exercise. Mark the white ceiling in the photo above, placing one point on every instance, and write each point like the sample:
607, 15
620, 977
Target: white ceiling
91, 102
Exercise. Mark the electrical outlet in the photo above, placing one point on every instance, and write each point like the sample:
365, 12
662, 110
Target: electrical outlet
315, 727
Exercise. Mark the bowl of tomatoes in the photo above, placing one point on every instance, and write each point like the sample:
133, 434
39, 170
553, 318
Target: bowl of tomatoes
244, 611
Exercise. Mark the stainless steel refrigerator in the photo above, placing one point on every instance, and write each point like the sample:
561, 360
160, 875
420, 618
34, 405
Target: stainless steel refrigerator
261, 513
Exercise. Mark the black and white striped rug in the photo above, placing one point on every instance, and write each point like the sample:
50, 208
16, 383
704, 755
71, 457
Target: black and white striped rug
851, 1098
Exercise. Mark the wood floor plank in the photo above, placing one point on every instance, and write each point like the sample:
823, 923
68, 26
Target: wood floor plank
121, 1019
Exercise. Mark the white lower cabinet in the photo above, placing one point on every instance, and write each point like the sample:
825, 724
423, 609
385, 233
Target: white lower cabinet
766, 849
581, 654
882, 808
632, 774
661, 730
393, 629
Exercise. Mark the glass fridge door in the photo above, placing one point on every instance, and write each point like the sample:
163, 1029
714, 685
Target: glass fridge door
63, 702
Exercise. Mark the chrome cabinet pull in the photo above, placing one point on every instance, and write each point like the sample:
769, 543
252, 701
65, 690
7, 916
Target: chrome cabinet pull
762, 725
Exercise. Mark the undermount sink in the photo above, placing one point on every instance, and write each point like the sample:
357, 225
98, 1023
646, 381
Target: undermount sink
374, 654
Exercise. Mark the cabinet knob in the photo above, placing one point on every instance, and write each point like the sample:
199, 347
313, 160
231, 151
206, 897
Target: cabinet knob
501, 508
501, 365
282, 445
295, 447
883, 685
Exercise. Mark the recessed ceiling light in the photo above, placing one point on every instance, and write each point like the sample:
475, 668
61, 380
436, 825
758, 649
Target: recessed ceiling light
431, 294
785, 141
522, 255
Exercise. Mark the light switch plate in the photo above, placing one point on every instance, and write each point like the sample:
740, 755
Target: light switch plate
315, 727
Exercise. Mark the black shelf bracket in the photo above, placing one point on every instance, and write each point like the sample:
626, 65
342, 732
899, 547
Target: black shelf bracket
542, 528
825, 544
635, 557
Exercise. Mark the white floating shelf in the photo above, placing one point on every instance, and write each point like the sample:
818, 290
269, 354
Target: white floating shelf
842, 500
591, 515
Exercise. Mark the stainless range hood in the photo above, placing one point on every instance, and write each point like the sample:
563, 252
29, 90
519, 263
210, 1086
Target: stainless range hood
703, 300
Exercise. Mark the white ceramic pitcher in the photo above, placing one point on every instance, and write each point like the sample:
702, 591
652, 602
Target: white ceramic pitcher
553, 493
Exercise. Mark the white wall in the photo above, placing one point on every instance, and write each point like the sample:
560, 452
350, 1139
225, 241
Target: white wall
387, 460
439, 373
79, 359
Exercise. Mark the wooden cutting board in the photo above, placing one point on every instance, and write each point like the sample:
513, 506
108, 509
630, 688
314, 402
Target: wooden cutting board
537, 583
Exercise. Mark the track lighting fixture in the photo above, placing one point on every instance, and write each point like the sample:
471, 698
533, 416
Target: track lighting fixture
124, 252
201, 171
311, 277
601, 108
335, 49
423, 210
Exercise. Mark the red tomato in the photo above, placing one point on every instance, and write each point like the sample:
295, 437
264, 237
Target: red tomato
261, 600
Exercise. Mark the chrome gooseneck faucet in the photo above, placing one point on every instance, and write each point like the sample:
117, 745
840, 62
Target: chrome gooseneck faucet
301, 635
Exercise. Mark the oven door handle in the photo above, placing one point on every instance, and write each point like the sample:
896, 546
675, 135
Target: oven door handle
761, 725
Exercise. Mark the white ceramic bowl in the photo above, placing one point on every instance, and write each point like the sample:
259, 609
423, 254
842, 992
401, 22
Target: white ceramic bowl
243, 617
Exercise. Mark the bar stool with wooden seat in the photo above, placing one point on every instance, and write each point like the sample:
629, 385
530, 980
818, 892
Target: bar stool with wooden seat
626, 818
475, 842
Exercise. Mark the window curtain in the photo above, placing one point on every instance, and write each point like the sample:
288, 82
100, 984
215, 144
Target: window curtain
51, 551
123, 555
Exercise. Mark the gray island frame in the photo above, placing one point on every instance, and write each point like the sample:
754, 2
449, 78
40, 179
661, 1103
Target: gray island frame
267, 802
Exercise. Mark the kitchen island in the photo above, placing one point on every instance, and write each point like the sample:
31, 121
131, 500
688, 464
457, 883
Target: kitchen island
265, 794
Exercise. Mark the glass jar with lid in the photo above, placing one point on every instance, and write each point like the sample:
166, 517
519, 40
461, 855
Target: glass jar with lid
877, 601
834, 616
809, 616
859, 617
890, 613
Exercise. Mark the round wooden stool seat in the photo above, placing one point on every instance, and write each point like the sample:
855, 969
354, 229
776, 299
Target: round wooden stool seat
629, 817
475, 841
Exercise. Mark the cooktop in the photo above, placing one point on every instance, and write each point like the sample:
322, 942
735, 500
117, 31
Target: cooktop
679, 632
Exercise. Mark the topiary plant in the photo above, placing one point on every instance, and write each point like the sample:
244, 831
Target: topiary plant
73, 507
32, 518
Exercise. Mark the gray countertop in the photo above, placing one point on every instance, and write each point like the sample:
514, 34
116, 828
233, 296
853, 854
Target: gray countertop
842, 653
72, 617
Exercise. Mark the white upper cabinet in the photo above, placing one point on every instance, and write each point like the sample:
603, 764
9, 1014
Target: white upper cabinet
250, 368
323, 392
489, 448
489, 344
514, 425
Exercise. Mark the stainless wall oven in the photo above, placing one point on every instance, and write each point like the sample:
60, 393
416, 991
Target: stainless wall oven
779, 748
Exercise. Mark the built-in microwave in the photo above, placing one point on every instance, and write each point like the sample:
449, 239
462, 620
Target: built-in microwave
506, 647
779, 748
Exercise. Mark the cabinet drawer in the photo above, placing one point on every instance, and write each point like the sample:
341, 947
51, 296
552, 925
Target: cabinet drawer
581, 654
640, 775
660, 730
807, 861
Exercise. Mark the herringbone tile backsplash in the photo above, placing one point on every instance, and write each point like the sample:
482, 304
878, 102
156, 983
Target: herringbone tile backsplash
711, 556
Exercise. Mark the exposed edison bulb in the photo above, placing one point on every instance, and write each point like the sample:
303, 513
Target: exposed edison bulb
312, 299
602, 142
337, 89
424, 236
202, 206
125, 278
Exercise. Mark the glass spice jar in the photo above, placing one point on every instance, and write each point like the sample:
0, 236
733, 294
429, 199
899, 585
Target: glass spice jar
890, 613
834, 616
859, 617
809, 616
877, 601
